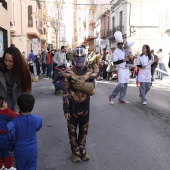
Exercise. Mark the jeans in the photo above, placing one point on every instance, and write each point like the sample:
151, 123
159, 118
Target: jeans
160, 74
49, 70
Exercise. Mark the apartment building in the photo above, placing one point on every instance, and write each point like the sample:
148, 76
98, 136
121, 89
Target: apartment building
102, 26
20, 26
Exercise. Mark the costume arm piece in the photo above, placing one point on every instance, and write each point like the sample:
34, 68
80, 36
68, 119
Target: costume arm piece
11, 135
66, 97
86, 87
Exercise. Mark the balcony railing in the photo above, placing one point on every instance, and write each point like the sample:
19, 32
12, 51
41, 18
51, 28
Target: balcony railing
117, 28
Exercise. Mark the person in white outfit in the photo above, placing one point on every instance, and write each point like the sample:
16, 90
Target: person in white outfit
144, 62
120, 60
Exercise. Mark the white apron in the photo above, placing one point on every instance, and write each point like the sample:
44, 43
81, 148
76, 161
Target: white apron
144, 74
123, 75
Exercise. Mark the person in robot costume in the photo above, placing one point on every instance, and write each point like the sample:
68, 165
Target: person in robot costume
121, 59
79, 86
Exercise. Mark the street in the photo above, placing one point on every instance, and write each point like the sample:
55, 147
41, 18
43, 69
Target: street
121, 137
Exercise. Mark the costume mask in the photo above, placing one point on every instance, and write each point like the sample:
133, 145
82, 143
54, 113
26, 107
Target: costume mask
80, 61
80, 56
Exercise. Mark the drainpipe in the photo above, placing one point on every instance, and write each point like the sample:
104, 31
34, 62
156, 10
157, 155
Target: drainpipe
21, 18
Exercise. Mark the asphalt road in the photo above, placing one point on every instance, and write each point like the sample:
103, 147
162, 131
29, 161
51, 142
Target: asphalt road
121, 137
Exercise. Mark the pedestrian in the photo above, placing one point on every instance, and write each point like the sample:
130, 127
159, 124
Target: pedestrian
21, 134
144, 62
31, 60
109, 69
15, 76
49, 62
79, 86
161, 64
100, 77
105, 65
135, 74
154, 65
120, 60
37, 63
69, 57
169, 62
6, 115
59, 58
43, 60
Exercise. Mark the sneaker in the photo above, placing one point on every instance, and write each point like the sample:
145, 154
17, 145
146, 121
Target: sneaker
144, 103
111, 100
123, 101
2, 168
12, 168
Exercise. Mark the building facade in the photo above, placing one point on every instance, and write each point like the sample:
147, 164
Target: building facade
5, 21
20, 27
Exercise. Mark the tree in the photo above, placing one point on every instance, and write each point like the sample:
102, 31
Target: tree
51, 15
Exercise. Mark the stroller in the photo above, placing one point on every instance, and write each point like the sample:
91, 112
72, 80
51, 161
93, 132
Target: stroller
58, 78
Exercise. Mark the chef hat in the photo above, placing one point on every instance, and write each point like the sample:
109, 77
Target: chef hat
118, 36
129, 44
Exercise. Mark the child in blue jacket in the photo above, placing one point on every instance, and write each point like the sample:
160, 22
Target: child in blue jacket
21, 133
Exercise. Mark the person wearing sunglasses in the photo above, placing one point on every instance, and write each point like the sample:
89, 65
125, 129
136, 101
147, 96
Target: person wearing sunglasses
120, 60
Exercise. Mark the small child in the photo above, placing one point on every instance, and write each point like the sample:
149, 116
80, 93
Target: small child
21, 133
100, 70
6, 115
136, 72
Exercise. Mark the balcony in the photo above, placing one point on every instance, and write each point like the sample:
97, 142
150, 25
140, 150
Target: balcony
43, 37
32, 29
104, 33
91, 21
33, 33
41, 30
90, 36
112, 31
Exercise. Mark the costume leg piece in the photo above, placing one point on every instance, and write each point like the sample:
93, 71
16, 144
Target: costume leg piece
72, 127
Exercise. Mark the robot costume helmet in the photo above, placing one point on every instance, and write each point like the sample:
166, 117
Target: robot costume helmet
80, 56
80, 52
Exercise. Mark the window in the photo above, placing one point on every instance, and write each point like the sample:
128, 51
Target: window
3, 41
113, 22
4, 4
30, 21
121, 19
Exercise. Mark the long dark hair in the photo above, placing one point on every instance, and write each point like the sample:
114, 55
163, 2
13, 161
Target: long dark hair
148, 51
20, 71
